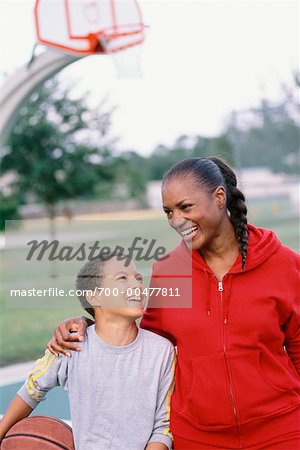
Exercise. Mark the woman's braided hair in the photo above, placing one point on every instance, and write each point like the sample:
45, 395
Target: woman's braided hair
211, 173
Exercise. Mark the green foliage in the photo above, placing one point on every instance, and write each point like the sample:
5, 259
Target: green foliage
270, 134
265, 136
60, 149
8, 209
52, 148
187, 147
130, 170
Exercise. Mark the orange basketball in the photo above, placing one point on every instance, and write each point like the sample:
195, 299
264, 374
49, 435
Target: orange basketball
39, 433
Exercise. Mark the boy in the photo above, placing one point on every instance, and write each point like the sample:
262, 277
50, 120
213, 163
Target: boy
120, 383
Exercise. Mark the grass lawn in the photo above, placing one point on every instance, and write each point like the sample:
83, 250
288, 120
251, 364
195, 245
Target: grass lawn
26, 324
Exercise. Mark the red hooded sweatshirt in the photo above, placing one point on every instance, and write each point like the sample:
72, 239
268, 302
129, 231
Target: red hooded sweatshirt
239, 345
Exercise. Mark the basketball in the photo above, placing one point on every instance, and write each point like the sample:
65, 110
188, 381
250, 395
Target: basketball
39, 433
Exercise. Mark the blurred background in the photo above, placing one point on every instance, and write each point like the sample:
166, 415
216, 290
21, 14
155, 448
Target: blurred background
90, 145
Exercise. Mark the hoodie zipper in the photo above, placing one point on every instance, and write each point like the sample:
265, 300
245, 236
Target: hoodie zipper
224, 323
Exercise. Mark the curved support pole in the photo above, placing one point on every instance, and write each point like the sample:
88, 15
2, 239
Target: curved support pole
18, 87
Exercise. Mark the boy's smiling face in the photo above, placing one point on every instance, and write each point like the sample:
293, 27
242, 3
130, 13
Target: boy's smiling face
121, 290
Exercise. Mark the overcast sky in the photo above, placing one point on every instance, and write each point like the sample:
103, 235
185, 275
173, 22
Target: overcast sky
200, 60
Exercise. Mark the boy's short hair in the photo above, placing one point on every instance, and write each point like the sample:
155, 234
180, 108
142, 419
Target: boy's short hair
90, 277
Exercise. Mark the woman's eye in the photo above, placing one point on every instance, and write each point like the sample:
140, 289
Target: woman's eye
185, 206
123, 277
168, 213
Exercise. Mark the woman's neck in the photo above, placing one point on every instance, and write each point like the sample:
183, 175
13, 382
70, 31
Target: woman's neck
115, 331
222, 252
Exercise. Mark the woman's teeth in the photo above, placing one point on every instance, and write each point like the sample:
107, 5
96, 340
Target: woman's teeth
188, 232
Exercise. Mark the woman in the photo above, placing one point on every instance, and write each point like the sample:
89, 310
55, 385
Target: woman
238, 371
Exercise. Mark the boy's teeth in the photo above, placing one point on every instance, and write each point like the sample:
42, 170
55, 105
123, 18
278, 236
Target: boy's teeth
134, 299
189, 231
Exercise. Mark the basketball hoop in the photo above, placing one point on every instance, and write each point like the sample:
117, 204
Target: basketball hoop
89, 26
128, 62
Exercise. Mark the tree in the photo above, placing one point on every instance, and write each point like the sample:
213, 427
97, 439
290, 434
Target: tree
59, 149
47, 151
163, 157
269, 135
9, 209
131, 171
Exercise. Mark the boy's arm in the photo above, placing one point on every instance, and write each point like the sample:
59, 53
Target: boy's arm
17, 410
156, 446
161, 437
47, 372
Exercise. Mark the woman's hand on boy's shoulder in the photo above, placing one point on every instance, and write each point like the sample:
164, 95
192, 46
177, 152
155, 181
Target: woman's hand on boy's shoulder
66, 333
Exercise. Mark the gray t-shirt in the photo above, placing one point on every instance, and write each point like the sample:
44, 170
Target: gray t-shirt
119, 395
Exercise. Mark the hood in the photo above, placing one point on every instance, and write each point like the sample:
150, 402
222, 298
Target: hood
262, 243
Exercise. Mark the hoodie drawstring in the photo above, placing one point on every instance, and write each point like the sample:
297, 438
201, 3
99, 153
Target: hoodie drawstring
226, 300
209, 296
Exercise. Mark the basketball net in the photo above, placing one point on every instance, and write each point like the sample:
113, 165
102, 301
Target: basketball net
128, 62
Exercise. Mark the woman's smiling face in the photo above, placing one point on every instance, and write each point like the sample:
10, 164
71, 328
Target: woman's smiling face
193, 211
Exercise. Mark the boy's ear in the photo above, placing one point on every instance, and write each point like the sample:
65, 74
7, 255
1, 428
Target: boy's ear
91, 299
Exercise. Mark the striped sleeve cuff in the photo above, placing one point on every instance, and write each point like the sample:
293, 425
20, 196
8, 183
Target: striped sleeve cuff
22, 392
164, 439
